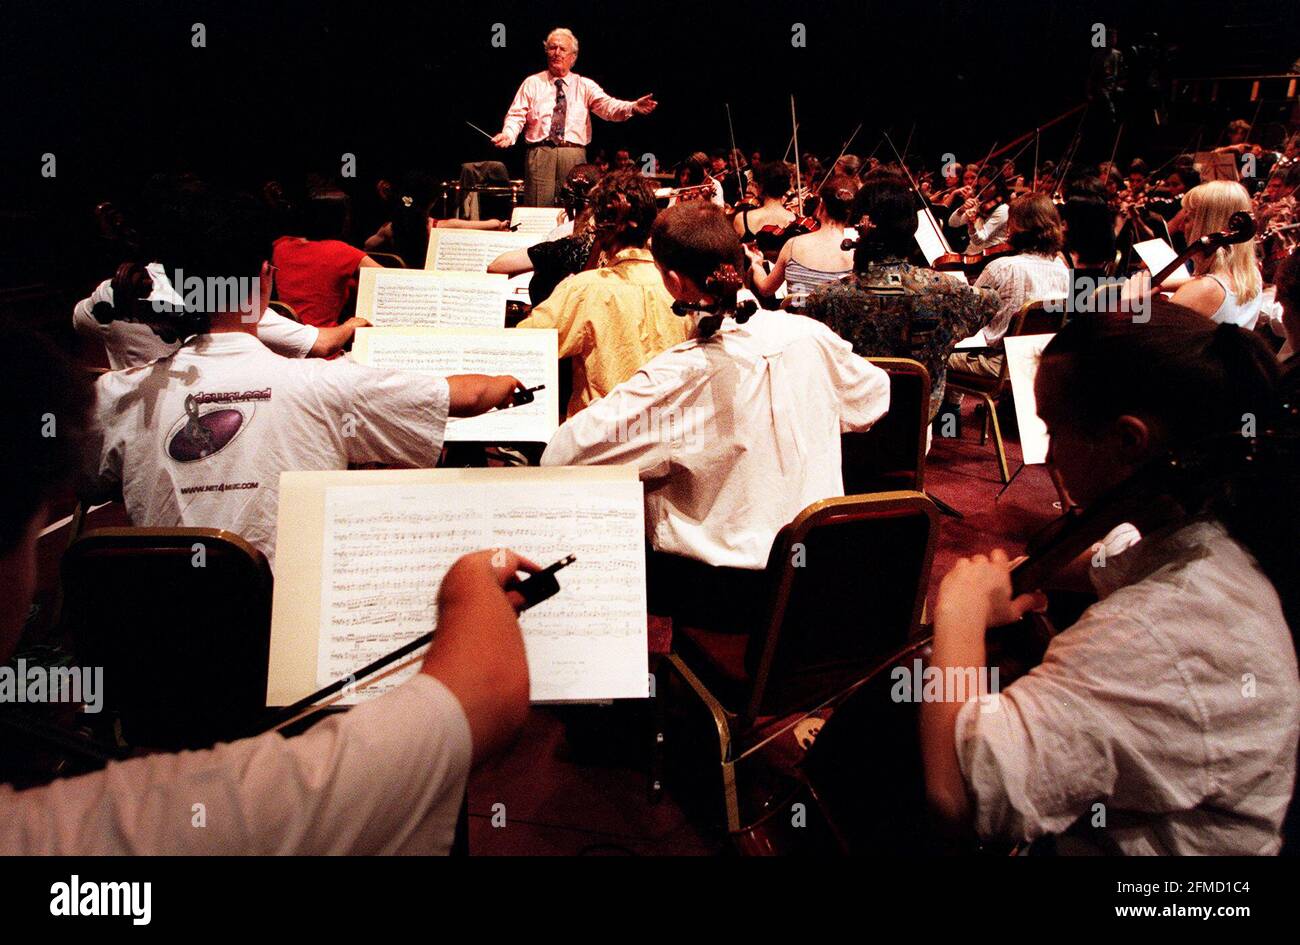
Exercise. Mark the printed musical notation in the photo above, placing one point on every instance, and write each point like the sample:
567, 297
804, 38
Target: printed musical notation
400, 298
472, 250
539, 220
529, 355
387, 547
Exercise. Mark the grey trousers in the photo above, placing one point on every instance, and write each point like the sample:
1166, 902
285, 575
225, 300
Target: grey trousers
545, 170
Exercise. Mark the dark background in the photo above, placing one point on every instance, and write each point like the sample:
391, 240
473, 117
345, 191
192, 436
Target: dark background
116, 90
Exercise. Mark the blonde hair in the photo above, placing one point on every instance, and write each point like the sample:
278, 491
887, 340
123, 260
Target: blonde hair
1208, 207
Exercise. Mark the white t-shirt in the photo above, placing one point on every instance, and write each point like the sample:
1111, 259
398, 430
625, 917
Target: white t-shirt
1173, 702
128, 344
385, 778
200, 438
734, 436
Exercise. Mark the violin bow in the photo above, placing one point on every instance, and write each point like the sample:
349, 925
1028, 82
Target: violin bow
1067, 157
907, 145
925, 207
1024, 147
1115, 150
789, 144
1034, 186
794, 140
740, 183
843, 151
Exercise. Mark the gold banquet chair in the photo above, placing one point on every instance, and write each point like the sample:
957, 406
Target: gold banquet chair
891, 455
388, 260
846, 582
180, 621
285, 309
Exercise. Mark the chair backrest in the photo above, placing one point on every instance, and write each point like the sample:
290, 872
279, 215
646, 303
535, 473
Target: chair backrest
891, 455
180, 621
388, 260
285, 309
1038, 318
849, 578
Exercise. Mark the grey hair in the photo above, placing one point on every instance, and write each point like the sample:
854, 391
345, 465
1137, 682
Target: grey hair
566, 33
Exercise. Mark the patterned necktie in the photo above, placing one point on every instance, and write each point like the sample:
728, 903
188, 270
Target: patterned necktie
560, 115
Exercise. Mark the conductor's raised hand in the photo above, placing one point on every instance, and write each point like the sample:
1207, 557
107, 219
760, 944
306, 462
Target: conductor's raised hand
645, 105
501, 139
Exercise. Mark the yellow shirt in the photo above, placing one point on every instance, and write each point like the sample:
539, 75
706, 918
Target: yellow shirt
610, 321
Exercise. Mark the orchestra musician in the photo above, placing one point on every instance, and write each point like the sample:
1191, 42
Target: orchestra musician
1226, 286
770, 184
810, 260
1138, 705
552, 110
983, 213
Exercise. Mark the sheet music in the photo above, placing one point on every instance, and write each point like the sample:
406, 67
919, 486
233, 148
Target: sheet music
529, 354
539, 220
1022, 354
929, 236
472, 250
1157, 254
414, 297
976, 340
519, 286
387, 547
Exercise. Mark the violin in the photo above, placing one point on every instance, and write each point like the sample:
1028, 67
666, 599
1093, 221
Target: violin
971, 263
881, 809
770, 238
693, 192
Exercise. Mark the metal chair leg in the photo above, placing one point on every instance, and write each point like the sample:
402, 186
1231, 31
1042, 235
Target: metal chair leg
997, 439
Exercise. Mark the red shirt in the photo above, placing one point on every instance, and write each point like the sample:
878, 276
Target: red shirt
315, 277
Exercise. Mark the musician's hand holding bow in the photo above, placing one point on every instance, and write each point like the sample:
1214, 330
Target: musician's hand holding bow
976, 595
477, 651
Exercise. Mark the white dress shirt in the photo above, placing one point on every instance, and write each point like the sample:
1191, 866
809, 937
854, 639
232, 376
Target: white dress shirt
734, 436
1173, 702
129, 344
386, 778
1027, 277
264, 415
534, 104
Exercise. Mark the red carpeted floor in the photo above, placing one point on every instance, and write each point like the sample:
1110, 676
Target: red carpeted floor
556, 793
552, 801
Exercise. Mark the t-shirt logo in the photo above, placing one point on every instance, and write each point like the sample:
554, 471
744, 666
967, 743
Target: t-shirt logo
199, 435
